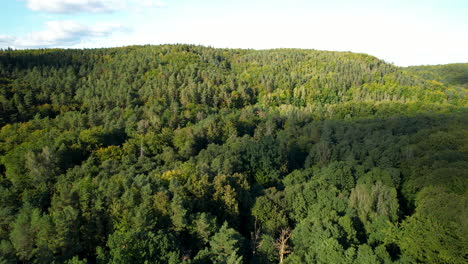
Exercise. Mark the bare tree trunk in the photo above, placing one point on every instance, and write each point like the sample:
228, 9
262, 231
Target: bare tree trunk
255, 237
281, 243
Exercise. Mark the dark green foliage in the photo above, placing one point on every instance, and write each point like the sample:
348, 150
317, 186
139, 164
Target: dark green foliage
188, 154
436, 233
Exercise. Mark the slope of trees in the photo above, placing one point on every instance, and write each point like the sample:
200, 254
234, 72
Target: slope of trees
188, 154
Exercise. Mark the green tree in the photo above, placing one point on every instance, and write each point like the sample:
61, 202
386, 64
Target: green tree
226, 246
436, 233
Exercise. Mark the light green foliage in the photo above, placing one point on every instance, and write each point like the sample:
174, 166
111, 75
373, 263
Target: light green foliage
266, 251
375, 200
204, 226
269, 211
22, 235
43, 166
366, 255
140, 247
230, 194
339, 174
179, 213
76, 260
226, 246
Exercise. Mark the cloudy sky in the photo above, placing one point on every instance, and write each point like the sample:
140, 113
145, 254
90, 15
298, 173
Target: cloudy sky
403, 32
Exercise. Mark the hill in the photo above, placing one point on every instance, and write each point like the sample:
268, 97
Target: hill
450, 74
189, 154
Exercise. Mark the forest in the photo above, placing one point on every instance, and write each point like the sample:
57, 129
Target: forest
192, 154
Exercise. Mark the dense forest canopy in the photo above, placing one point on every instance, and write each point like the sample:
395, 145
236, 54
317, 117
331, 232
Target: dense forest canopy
189, 154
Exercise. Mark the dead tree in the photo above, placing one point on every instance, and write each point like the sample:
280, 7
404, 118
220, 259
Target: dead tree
255, 235
281, 243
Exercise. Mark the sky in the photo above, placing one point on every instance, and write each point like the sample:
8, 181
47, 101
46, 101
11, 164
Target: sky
402, 32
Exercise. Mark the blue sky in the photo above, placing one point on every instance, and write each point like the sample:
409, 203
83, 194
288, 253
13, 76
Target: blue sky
410, 32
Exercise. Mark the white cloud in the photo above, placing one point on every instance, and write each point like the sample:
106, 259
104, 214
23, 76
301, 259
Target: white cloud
72, 6
150, 3
5, 40
61, 34
90, 6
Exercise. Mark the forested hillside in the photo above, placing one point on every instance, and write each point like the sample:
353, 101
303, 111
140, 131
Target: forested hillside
188, 154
